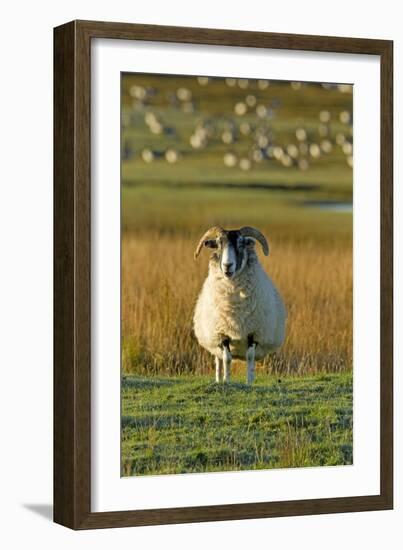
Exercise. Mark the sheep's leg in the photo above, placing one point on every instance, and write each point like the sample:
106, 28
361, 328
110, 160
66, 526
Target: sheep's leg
227, 358
218, 370
250, 360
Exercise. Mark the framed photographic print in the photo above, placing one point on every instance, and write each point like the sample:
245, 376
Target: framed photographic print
222, 275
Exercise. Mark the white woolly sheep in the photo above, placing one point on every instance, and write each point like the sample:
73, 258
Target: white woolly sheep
239, 313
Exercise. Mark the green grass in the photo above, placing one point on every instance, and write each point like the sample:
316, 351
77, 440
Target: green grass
190, 210
190, 424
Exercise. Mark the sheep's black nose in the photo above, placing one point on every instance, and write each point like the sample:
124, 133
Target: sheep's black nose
228, 269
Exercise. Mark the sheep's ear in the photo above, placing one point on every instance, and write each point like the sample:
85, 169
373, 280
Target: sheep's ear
250, 243
211, 243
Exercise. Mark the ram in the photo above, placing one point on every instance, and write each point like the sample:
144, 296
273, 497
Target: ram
239, 313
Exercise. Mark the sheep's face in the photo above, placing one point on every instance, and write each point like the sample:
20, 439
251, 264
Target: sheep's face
232, 248
231, 251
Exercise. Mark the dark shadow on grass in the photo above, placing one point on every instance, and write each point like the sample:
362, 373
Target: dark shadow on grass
241, 387
225, 388
44, 510
157, 422
132, 382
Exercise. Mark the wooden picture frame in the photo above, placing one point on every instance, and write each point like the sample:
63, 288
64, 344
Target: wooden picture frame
72, 271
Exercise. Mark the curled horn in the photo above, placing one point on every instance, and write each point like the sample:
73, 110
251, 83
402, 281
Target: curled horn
255, 234
212, 232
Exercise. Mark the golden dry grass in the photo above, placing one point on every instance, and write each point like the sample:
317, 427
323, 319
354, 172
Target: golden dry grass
161, 281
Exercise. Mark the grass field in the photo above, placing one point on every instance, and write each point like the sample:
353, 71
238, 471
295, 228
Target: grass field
174, 419
189, 424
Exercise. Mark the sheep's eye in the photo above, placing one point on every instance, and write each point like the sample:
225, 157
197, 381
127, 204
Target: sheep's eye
211, 243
